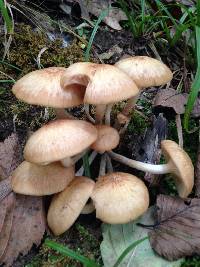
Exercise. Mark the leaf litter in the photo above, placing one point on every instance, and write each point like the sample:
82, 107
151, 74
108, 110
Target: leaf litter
22, 218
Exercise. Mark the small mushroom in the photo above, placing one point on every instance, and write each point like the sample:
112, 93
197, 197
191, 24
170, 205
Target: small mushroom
42, 87
119, 198
108, 139
66, 206
105, 84
36, 180
145, 72
59, 140
178, 163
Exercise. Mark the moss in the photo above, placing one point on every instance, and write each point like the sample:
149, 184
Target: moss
138, 124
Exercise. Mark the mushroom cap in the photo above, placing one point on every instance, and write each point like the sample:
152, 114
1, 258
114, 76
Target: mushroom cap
182, 166
59, 139
120, 198
42, 87
108, 138
145, 71
104, 83
36, 180
66, 206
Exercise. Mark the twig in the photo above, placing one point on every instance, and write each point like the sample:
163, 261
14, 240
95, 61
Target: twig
179, 130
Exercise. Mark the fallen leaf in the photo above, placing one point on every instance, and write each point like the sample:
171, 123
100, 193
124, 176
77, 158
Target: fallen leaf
95, 8
116, 238
176, 233
9, 206
10, 155
28, 227
170, 98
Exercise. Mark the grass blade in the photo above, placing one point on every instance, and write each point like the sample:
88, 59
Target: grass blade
70, 253
103, 14
6, 17
9, 65
127, 250
86, 165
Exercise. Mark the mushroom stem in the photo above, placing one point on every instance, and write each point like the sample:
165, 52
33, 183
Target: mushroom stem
91, 159
109, 165
87, 112
145, 167
69, 161
102, 169
100, 112
88, 208
108, 113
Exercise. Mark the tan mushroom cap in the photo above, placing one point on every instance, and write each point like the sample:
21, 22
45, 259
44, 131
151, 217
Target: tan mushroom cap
59, 139
108, 138
182, 167
42, 87
145, 71
104, 83
67, 205
36, 180
120, 198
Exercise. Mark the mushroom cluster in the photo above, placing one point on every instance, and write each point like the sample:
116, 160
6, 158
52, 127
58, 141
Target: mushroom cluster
52, 151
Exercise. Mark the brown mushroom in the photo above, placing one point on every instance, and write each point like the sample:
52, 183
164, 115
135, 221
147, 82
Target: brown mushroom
66, 206
119, 198
36, 180
178, 164
59, 140
108, 139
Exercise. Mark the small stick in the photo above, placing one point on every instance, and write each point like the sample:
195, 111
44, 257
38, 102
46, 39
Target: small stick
179, 130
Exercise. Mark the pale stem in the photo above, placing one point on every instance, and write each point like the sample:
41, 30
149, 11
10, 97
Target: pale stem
145, 167
69, 161
102, 168
61, 113
87, 112
108, 114
91, 159
109, 165
100, 112
179, 130
88, 208
130, 105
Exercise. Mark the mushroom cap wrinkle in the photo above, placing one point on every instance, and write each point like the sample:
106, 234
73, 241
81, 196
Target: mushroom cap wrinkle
119, 198
145, 71
66, 206
108, 138
42, 87
105, 84
37, 180
59, 139
181, 166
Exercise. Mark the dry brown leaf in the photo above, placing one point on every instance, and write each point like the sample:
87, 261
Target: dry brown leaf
95, 8
10, 155
28, 228
9, 202
170, 98
177, 232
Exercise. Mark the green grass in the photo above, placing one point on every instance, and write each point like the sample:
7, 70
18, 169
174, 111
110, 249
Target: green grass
6, 16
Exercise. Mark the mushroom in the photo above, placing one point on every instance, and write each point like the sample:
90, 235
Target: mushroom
105, 84
36, 180
107, 139
59, 140
145, 72
66, 206
178, 163
120, 198
42, 87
